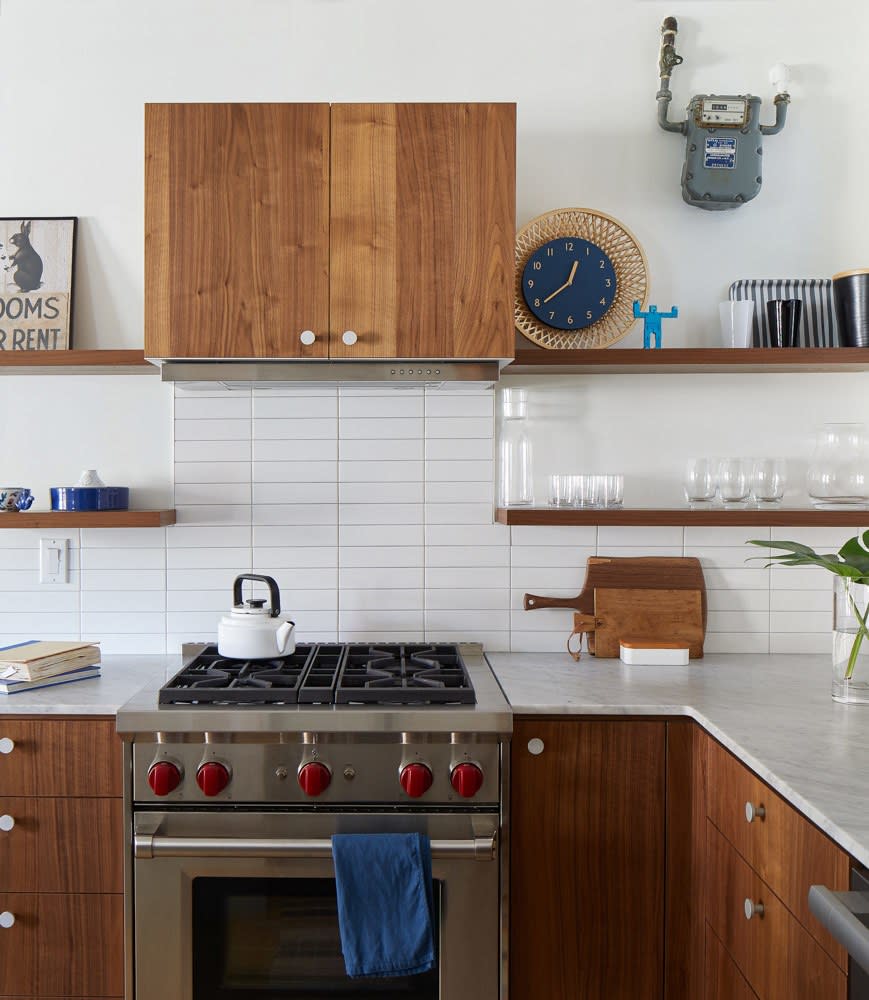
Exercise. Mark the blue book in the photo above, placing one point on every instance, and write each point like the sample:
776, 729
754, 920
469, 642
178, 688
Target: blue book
81, 674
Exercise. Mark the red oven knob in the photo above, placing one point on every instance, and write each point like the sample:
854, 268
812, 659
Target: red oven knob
466, 779
415, 779
314, 778
164, 777
212, 777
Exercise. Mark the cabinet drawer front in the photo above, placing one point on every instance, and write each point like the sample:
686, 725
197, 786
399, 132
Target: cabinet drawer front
782, 846
78, 757
778, 958
723, 980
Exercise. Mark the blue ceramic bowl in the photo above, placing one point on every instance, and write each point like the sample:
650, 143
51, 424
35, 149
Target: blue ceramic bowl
90, 498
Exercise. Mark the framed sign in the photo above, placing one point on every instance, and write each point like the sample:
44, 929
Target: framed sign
36, 272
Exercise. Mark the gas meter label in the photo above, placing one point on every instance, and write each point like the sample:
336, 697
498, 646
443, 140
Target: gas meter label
720, 154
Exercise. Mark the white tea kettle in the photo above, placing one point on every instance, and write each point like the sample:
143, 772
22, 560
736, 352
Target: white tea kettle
251, 631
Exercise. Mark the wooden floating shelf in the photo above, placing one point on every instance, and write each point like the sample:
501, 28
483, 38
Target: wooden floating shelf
701, 360
785, 517
87, 519
53, 361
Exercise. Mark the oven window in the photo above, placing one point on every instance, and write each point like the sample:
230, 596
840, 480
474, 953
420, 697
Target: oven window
260, 938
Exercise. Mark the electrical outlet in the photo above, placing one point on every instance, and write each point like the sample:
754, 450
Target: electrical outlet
54, 560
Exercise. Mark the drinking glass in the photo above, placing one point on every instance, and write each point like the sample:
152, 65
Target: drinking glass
768, 480
700, 481
588, 491
561, 491
734, 483
612, 490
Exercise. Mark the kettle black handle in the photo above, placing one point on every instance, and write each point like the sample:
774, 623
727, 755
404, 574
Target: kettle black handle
274, 592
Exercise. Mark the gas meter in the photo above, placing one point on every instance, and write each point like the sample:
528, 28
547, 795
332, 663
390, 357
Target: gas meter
724, 146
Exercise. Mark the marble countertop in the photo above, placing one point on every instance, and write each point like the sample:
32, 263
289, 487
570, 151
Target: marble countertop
773, 712
120, 678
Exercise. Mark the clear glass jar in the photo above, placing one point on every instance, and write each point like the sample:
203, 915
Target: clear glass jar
515, 479
837, 475
850, 641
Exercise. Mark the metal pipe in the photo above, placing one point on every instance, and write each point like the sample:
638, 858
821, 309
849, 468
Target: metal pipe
667, 60
148, 846
781, 112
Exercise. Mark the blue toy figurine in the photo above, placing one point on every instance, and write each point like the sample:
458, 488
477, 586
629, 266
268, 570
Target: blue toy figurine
652, 323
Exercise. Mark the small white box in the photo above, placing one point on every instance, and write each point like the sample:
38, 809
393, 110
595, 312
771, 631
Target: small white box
647, 652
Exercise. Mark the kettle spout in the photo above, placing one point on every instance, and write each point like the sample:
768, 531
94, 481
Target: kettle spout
284, 636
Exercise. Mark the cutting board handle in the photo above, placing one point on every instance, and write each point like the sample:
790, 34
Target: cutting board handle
532, 601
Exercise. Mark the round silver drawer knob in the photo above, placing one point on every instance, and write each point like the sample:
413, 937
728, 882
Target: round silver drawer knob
7, 919
307, 337
6, 822
753, 812
752, 909
6, 745
349, 337
535, 746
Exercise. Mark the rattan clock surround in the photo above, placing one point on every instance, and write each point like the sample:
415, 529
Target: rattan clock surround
626, 254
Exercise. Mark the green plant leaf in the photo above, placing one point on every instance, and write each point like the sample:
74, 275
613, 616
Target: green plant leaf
853, 553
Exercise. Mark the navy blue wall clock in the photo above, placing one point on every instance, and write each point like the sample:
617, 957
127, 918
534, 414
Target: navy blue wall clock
578, 273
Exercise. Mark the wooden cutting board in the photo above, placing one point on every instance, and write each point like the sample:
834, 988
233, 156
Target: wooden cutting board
638, 573
644, 613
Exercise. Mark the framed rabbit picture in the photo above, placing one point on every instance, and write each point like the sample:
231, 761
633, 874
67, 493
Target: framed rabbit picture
36, 276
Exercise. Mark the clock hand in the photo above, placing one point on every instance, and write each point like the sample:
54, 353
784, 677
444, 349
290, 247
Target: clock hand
566, 284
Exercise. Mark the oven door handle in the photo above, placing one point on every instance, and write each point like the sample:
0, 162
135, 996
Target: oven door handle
150, 846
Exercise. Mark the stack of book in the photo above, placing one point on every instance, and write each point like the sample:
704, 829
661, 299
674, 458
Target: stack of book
36, 664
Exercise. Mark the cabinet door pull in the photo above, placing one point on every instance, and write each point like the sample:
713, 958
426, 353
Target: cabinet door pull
7, 745
753, 812
535, 747
307, 337
349, 337
6, 822
7, 919
752, 909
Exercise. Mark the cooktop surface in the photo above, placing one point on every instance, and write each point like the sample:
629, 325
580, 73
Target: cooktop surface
326, 674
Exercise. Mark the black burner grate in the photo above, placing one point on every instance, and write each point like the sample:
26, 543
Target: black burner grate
211, 679
327, 674
404, 675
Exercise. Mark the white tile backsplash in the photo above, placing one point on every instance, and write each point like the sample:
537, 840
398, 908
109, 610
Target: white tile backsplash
374, 512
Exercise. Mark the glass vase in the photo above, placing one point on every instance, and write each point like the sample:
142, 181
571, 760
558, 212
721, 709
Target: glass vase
850, 641
515, 480
838, 475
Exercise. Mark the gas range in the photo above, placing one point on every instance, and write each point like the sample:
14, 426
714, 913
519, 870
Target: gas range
332, 724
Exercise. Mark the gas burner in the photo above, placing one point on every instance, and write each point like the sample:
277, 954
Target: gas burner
327, 674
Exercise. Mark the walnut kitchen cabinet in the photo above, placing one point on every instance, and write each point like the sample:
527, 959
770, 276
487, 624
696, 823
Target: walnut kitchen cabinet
587, 828
393, 222
61, 858
761, 857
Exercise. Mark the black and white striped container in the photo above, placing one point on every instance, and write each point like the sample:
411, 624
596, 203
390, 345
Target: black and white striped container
818, 327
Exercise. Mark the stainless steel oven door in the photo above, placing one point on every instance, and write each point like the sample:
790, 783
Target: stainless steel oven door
237, 905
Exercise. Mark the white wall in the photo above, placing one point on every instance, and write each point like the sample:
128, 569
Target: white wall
73, 80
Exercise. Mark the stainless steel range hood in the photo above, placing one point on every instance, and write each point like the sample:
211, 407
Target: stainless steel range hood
240, 373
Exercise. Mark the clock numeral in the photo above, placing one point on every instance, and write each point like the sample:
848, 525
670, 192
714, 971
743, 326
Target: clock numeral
537, 303
609, 283
587, 251
537, 265
568, 246
570, 321
602, 264
549, 251
588, 314
530, 283
603, 302
552, 315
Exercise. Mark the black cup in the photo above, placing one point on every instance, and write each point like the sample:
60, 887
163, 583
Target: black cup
851, 290
784, 321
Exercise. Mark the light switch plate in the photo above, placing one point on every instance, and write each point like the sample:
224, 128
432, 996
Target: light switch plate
54, 560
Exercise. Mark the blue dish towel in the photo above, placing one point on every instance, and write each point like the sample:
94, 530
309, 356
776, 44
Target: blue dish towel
385, 910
